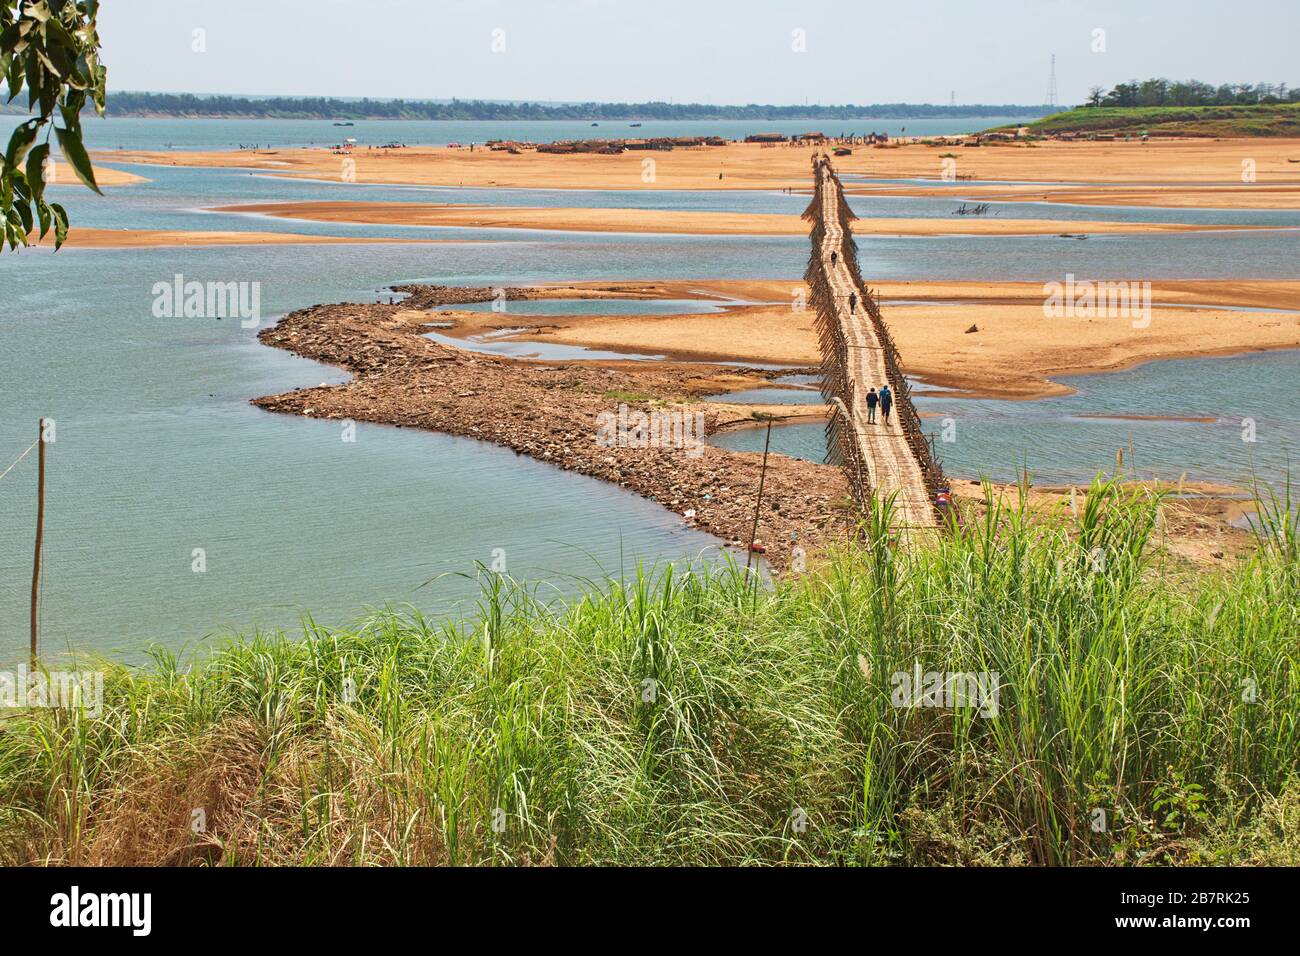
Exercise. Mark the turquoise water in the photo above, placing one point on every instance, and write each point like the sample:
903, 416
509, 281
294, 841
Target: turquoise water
1059, 440
200, 134
176, 198
500, 343
177, 194
765, 396
805, 440
158, 451
925, 207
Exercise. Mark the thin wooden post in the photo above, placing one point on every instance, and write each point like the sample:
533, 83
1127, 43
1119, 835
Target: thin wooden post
762, 478
40, 527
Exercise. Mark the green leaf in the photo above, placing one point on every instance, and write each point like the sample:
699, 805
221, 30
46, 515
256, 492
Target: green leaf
49, 94
15, 78
101, 85
25, 214
56, 58
60, 224
9, 37
14, 227
43, 215
36, 169
33, 79
51, 47
71, 113
45, 58
55, 32
20, 142
75, 154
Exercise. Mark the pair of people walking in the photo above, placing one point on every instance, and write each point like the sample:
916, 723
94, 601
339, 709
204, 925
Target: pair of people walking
884, 399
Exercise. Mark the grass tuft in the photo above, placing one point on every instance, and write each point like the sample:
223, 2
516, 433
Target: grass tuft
688, 717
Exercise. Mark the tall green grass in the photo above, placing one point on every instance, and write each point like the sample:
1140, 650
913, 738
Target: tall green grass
1146, 715
1267, 119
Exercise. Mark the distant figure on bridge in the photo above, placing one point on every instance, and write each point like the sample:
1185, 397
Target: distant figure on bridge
853, 302
834, 256
886, 402
872, 401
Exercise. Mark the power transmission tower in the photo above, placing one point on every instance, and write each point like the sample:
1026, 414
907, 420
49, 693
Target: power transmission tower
952, 98
1051, 84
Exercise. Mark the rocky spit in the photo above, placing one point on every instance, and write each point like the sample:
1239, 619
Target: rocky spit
552, 411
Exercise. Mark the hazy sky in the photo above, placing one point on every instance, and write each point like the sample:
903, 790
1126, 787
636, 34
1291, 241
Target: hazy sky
719, 51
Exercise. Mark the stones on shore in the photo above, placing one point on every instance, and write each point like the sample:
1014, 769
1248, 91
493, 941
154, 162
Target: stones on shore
549, 412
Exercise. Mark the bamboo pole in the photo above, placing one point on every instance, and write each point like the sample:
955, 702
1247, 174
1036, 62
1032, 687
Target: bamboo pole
762, 478
40, 528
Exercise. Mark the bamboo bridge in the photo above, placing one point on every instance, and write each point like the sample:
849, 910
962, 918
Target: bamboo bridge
858, 353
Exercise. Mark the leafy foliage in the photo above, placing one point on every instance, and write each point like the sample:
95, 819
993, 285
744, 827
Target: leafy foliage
52, 48
1278, 119
1161, 92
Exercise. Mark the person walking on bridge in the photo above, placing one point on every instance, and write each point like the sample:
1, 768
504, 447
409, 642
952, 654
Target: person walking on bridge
833, 257
872, 401
886, 402
853, 302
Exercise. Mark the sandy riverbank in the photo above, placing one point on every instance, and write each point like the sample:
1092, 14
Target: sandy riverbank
1254, 196
1187, 165
550, 411
1016, 352
87, 238
62, 175
1201, 523
676, 221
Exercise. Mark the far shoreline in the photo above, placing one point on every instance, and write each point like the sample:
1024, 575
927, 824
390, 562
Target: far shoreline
1203, 173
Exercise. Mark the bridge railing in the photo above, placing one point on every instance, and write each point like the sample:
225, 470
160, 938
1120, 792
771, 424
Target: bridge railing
920, 444
836, 383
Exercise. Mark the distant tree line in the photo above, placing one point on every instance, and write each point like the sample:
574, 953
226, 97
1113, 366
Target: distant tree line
314, 107
1162, 92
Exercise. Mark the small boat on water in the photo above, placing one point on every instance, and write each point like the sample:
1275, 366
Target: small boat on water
633, 124
349, 123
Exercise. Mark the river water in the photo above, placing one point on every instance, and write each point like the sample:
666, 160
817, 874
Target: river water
159, 459
1230, 420
201, 134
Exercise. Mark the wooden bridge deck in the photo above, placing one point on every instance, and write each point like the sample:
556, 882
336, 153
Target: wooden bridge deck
888, 456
